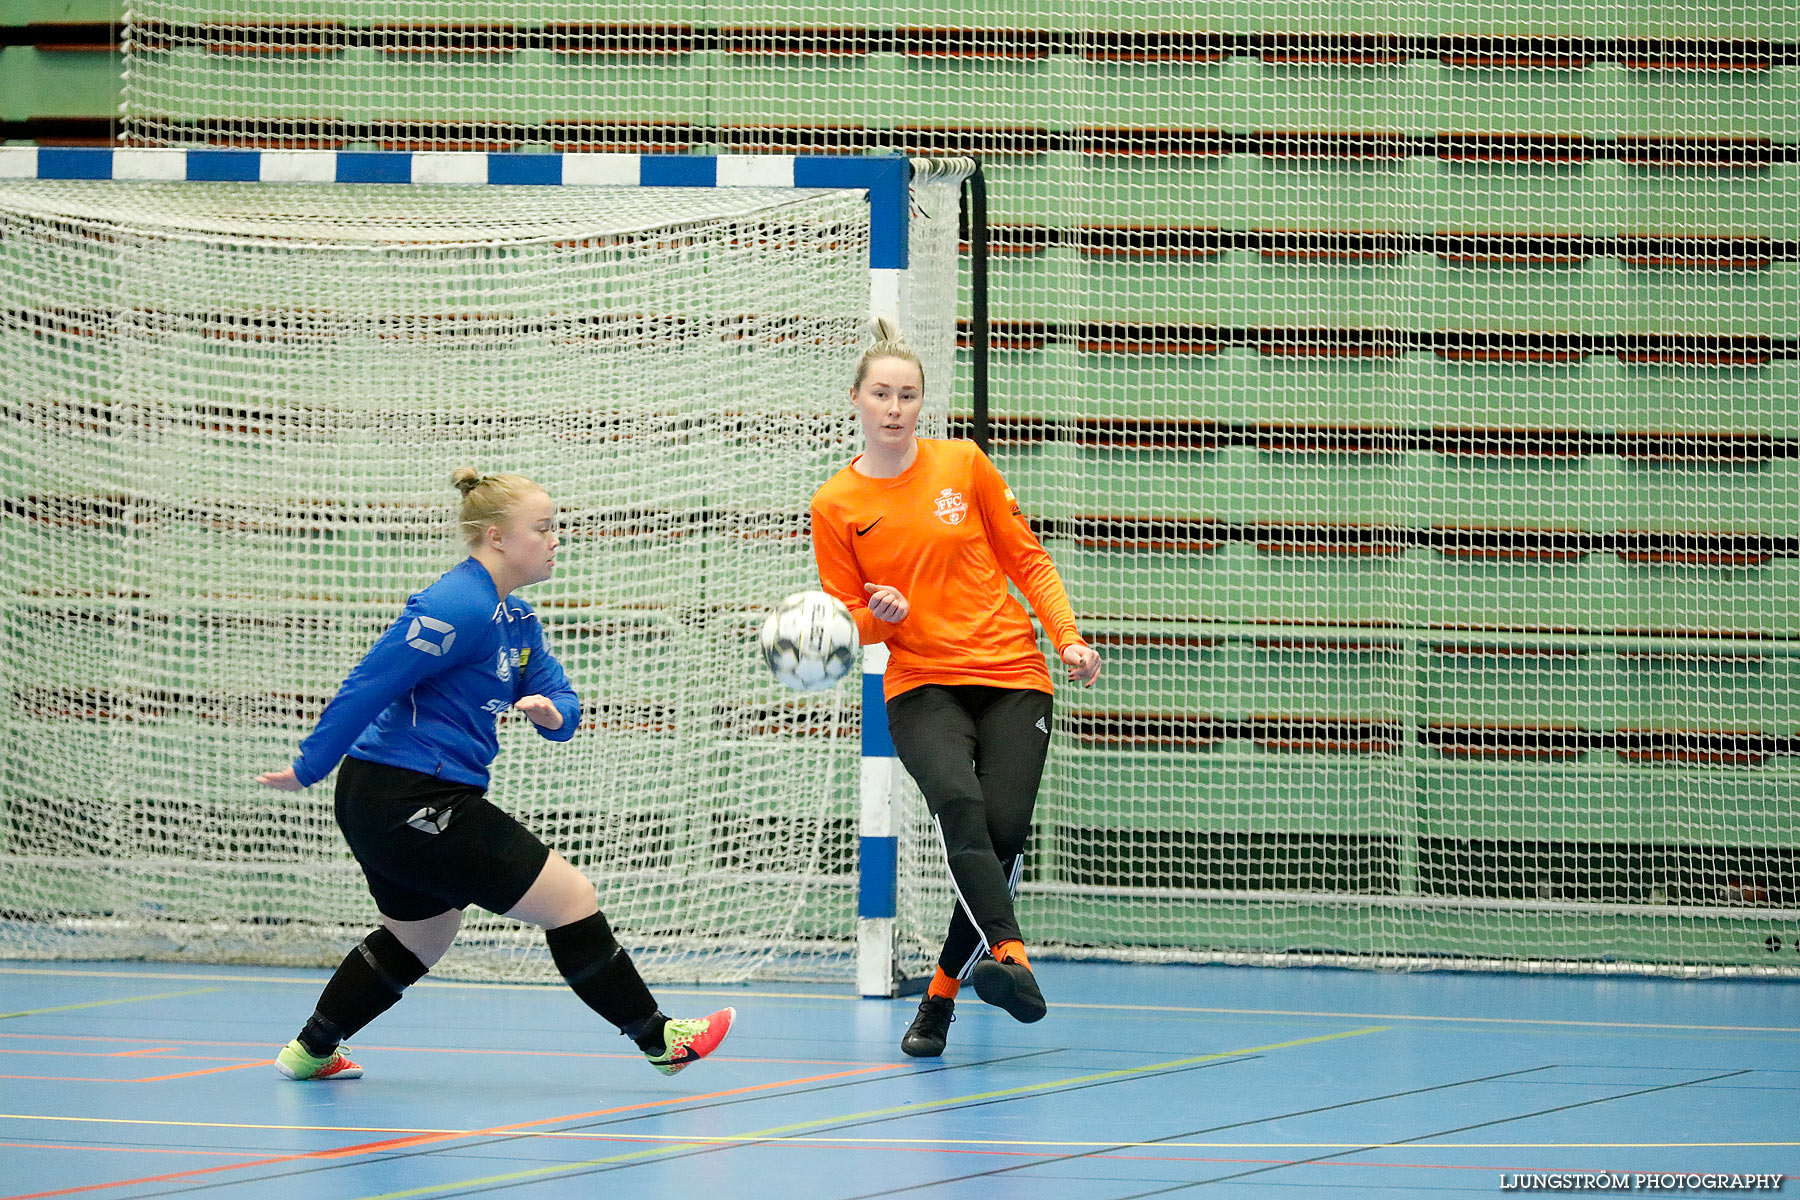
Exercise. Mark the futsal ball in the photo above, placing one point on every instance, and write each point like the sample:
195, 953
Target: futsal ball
809, 641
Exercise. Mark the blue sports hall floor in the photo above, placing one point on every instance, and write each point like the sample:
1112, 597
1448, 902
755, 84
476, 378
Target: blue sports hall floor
132, 1079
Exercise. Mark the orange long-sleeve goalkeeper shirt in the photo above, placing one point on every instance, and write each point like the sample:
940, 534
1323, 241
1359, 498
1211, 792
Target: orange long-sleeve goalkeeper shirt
947, 533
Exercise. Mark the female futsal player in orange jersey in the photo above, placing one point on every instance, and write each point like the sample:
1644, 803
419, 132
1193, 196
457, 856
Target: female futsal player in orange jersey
919, 537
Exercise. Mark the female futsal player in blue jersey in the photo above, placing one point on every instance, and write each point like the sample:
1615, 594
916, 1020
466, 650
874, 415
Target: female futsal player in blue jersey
413, 726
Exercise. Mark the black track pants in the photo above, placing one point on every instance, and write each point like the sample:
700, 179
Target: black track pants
977, 753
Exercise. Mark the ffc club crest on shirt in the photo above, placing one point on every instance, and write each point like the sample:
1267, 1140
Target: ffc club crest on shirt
951, 507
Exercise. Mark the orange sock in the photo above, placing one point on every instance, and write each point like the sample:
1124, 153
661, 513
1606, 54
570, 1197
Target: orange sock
943, 986
1012, 950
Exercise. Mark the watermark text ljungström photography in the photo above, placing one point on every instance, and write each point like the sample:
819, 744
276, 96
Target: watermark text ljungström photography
1640, 1181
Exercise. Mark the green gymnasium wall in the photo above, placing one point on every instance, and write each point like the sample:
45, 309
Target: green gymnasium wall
1410, 396
59, 70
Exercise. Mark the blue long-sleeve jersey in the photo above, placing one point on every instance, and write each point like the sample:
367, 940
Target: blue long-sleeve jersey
430, 690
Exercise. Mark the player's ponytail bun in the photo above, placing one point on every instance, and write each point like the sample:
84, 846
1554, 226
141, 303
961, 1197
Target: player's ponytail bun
487, 500
887, 344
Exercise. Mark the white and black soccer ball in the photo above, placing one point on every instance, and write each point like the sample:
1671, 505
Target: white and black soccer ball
809, 641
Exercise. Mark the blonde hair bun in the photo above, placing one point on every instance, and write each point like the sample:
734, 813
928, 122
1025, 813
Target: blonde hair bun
887, 344
487, 499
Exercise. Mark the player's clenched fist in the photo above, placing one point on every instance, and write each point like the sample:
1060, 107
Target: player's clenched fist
886, 603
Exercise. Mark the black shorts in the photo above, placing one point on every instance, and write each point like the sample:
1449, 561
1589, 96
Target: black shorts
428, 845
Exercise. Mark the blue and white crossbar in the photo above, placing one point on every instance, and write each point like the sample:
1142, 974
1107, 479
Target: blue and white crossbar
885, 179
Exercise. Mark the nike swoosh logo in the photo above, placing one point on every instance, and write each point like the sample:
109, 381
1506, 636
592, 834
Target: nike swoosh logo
869, 526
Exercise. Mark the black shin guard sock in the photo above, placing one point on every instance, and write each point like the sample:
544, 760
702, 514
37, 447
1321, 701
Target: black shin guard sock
599, 971
320, 1037
648, 1033
367, 984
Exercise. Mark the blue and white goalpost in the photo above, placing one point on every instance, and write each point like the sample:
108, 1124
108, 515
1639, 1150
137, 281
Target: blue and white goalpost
222, 412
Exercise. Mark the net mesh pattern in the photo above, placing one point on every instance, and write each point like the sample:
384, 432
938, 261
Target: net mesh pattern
1406, 395
232, 414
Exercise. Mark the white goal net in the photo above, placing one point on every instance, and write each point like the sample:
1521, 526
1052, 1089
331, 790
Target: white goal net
231, 414
1407, 394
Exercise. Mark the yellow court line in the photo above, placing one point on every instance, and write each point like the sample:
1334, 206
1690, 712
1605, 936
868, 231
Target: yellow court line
779, 1132
550, 985
32, 1012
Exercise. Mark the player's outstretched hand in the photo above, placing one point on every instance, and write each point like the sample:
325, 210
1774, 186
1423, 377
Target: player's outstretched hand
1084, 664
887, 603
282, 780
541, 711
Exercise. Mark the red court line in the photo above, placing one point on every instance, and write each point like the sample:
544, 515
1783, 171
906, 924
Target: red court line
204, 1071
428, 1138
258, 1062
425, 1139
105, 1053
155, 1053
